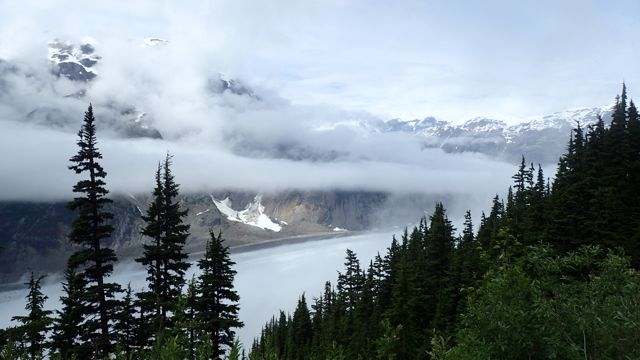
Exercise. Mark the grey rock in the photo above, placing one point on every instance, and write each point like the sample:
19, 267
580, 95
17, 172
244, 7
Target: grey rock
73, 71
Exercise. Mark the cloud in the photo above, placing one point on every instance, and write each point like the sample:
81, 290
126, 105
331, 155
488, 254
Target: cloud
37, 168
265, 140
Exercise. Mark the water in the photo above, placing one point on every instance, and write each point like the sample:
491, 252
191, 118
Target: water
268, 280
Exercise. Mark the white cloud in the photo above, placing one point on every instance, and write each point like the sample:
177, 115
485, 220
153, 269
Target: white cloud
314, 64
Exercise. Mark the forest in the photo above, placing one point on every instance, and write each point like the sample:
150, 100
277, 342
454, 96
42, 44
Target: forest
551, 272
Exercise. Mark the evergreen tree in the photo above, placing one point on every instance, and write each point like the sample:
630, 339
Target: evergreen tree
67, 331
126, 325
89, 229
152, 260
350, 283
466, 262
542, 295
175, 233
217, 304
441, 285
35, 325
299, 332
164, 256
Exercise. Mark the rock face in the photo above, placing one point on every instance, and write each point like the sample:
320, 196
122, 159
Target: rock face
73, 62
33, 235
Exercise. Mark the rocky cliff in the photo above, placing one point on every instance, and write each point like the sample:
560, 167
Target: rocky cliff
34, 234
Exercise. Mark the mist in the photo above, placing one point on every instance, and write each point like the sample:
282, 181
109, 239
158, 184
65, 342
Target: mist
268, 280
264, 138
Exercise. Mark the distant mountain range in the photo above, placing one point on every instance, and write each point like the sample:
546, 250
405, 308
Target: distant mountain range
33, 234
542, 139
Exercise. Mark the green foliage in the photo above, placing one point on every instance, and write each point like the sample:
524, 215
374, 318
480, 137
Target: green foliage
166, 349
581, 305
235, 352
217, 302
67, 324
164, 256
35, 325
539, 279
93, 262
523, 287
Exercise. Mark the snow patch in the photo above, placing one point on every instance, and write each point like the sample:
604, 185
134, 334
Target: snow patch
252, 215
202, 212
336, 229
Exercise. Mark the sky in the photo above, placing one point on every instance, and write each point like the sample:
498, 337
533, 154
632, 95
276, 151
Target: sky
318, 67
410, 59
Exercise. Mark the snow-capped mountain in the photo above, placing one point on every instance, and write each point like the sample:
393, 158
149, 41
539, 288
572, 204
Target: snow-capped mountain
541, 138
75, 62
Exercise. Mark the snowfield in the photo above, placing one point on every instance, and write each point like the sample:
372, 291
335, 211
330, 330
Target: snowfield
252, 215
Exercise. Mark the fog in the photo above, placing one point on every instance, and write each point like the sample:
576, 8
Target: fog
37, 168
268, 280
307, 116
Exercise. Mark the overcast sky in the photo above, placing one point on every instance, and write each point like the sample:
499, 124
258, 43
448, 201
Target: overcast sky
452, 59
317, 66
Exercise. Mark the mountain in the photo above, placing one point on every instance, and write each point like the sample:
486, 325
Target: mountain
541, 138
61, 92
33, 234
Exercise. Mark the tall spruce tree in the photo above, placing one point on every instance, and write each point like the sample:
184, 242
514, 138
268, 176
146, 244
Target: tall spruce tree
93, 261
35, 325
174, 236
440, 283
164, 255
67, 324
152, 260
351, 281
217, 304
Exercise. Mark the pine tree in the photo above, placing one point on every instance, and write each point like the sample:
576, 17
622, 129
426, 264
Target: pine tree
175, 233
350, 283
152, 260
440, 284
466, 261
126, 326
35, 325
67, 331
217, 304
89, 229
299, 332
164, 256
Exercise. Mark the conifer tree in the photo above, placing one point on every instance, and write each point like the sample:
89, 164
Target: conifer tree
35, 325
67, 331
440, 285
299, 332
466, 261
164, 255
351, 281
152, 259
93, 261
175, 234
217, 303
126, 325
